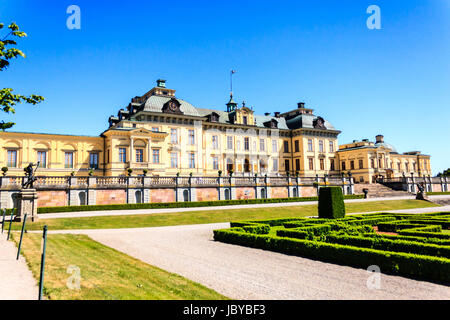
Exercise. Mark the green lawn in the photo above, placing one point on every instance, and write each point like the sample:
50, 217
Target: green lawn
213, 216
105, 273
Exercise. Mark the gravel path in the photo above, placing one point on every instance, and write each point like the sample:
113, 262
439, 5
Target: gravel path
17, 281
244, 273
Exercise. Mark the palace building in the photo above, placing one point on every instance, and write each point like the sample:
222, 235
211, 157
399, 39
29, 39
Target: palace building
159, 134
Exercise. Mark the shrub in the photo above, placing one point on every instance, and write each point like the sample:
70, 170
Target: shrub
331, 203
406, 264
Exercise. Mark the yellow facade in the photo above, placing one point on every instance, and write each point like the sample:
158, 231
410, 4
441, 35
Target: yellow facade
368, 161
161, 135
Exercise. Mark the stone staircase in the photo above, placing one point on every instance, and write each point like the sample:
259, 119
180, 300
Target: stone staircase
377, 190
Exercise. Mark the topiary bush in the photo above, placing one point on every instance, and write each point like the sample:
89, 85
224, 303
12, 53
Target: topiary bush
331, 203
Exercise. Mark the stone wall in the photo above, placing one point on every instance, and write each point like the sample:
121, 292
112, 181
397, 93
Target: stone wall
279, 192
207, 194
308, 192
162, 195
245, 193
52, 198
114, 196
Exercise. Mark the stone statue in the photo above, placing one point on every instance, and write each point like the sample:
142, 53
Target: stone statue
421, 195
29, 174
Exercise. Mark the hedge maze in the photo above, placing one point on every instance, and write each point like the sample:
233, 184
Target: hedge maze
410, 245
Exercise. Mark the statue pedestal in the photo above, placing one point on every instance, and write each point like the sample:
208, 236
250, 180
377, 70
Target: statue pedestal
27, 204
421, 196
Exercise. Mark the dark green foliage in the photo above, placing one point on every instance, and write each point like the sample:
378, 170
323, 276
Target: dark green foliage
331, 203
412, 265
417, 253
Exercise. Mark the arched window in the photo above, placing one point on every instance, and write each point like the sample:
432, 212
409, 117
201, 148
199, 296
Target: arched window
263, 193
82, 198
138, 196
185, 195
227, 194
295, 193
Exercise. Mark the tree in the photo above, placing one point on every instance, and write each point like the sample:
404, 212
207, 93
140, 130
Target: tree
446, 173
7, 52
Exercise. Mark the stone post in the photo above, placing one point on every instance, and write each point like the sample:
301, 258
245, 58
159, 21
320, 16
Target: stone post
317, 184
92, 195
27, 204
351, 184
413, 183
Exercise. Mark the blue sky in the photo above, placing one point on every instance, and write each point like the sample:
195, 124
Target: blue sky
394, 81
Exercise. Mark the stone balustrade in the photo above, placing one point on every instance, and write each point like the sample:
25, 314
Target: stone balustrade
68, 190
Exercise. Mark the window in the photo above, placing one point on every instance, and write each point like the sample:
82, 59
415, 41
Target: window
155, 154
322, 164
229, 165
42, 159
139, 155
215, 142
343, 165
352, 165
262, 144
246, 144
93, 160
191, 137
286, 146
380, 163
361, 164
320, 145
173, 136
286, 165
238, 146
12, 158
407, 166
229, 143
191, 160
414, 166
372, 163
310, 145
68, 159
122, 155
215, 163
331, 146
399, 166
297, 146
275, 164
174, 160
311, 163
332, 168
274, 146
244, 120
297, 164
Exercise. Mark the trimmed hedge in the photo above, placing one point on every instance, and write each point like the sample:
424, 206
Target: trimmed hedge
331, 203
165, 205
424, 234
443, 242
392, 245
406, 264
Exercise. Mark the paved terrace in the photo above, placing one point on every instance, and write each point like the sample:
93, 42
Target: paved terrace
239, 272
230, 207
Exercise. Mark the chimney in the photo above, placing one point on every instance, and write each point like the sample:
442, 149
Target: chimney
301, 105
267, 114
277, 114
379, 138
